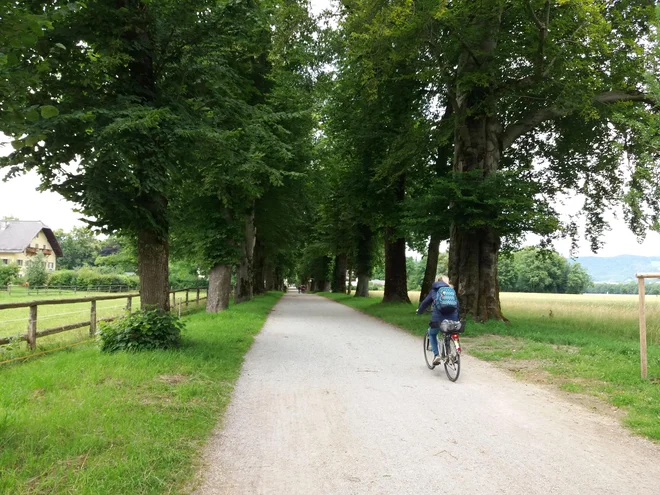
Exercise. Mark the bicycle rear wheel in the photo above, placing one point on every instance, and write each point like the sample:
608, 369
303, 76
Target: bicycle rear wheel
428, 352
452, 360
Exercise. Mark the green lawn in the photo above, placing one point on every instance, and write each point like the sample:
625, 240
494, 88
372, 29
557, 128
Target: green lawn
583, 344
15, 321
83, 422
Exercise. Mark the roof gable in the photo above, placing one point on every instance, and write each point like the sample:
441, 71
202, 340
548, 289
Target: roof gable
18, 235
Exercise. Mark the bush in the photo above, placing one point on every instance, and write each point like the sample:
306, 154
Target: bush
8, 273
36, 273
63, 278
141, 331
91, 277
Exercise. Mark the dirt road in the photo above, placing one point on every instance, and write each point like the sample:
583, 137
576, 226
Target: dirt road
331, 401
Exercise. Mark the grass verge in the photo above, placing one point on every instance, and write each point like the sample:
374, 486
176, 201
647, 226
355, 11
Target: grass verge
84, 422
592, 360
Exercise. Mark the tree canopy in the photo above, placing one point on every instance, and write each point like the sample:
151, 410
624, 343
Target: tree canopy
259, 143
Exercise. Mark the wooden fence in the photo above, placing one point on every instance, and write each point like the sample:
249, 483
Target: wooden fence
51, 289
32, 333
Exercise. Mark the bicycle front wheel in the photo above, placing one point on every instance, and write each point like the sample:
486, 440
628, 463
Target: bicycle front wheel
452, 361
428, 352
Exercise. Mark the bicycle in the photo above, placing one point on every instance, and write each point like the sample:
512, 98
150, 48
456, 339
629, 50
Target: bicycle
450, 348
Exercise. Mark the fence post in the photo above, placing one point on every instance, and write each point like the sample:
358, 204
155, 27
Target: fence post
129, 304
92, 320
187, 297
198, 296
642, 328
32, 328
179, 307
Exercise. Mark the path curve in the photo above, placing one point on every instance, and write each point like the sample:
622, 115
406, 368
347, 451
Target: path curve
331, 401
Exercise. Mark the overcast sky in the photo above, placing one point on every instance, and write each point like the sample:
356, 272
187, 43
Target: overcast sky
19, 197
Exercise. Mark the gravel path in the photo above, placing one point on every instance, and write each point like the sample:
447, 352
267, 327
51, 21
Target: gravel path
332, 401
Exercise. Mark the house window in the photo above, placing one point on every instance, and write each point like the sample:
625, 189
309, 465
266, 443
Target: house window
50, 266
19, 262
5, 261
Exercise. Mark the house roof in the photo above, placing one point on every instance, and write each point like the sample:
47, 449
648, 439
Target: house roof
17, 236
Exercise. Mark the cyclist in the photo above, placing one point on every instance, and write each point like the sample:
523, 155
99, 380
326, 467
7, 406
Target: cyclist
440, 312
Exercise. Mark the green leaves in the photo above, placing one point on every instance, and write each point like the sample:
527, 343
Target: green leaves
49, 111
141, 331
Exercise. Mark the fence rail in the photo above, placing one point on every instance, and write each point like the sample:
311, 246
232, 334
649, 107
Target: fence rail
33, 334
49, 289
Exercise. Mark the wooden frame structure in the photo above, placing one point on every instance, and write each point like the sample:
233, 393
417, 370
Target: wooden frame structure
642, 321
32, 334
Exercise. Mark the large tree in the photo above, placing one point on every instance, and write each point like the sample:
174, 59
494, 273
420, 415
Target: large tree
137, 87
548, 80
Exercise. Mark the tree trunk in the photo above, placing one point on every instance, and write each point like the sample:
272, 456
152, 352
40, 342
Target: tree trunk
478, 145
271, 280
244, 275
473, 251
219, 289
350, 280
339, 274
363, 261
258, 286
473, 272
396, 280
153, 256
362, 289
431, 266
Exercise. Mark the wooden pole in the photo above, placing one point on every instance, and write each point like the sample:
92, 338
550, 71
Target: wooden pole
32, 328
92, 320
642, 328
187, 297
129, 305
198, 296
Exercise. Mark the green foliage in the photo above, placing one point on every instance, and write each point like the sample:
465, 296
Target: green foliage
118, 254
91, 278
8, 274
80, 248
577, 279
535, 270
141, 331
651, 288
183, 274
35, 271
25, 56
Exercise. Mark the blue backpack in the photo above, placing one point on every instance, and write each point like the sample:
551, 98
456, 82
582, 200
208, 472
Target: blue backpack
445, 301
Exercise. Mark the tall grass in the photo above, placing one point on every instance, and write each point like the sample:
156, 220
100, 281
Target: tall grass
85, 422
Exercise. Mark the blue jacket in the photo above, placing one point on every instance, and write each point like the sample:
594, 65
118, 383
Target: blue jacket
436, 316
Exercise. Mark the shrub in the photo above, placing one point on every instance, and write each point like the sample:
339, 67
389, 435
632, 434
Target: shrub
91, 278
141, 331
35, 272
63, 278
8, 273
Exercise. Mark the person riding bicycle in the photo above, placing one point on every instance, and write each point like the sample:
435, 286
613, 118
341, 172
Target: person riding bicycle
440, 312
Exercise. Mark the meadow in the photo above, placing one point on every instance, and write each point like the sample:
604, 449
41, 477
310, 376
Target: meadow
85, 422
586, 345
14, 322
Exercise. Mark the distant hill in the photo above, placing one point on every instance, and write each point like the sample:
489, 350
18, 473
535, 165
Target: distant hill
619, 268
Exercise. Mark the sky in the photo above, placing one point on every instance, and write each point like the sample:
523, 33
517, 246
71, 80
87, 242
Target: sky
19, 197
